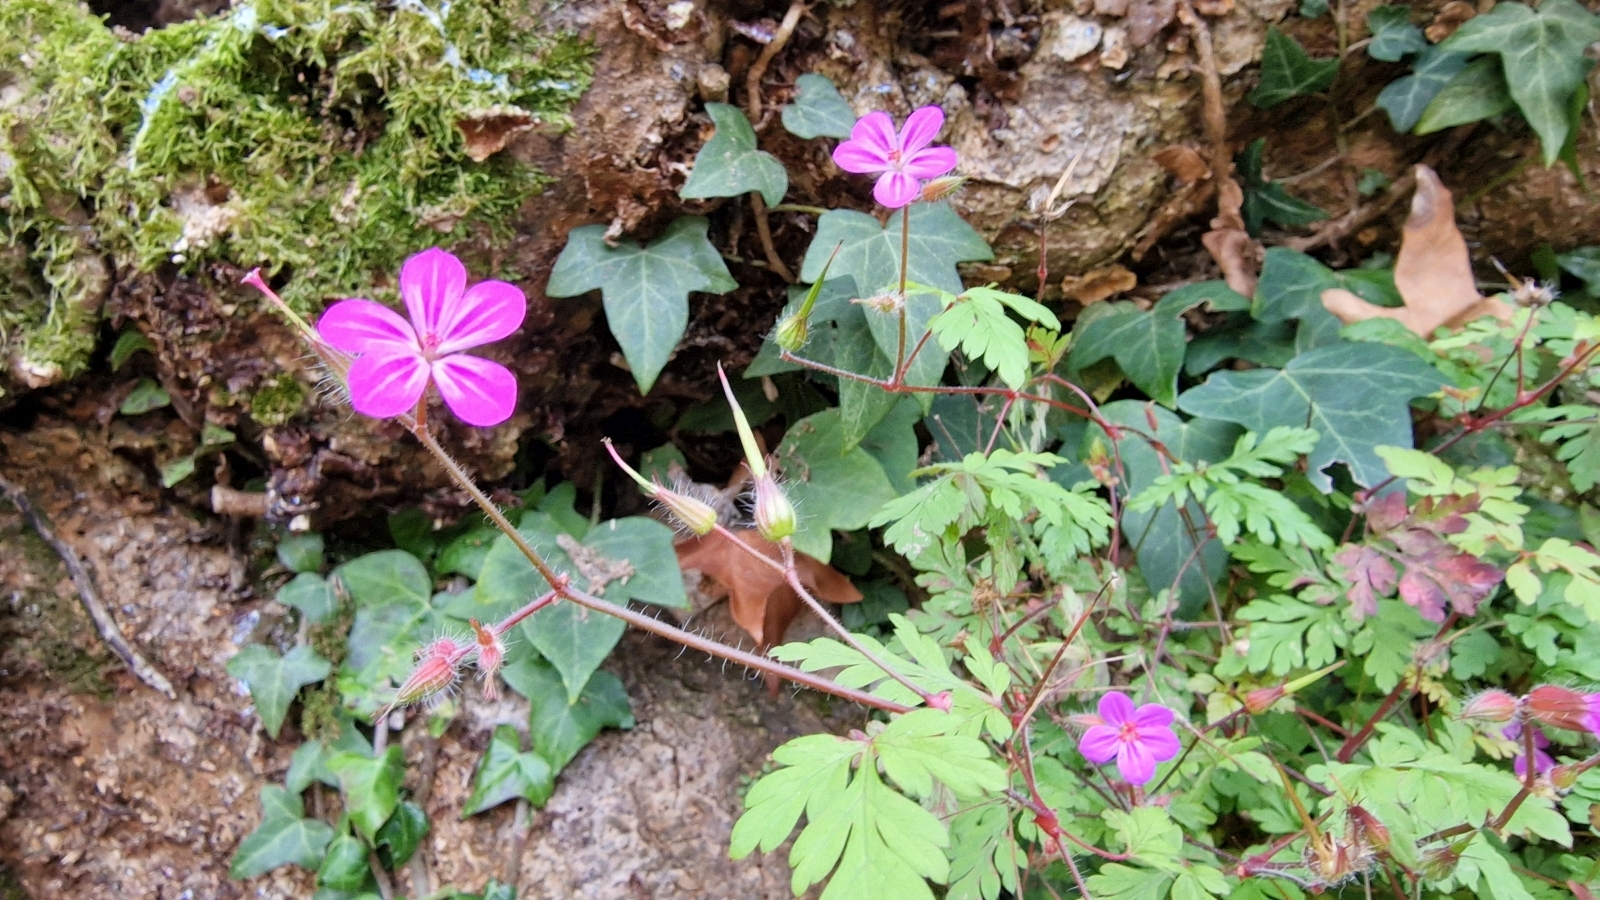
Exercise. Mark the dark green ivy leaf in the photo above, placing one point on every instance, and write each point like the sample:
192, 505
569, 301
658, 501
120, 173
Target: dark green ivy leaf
284, 836
345, 867
1477, 92
301, 552
1404, 99
1393, 35
1287, 72
370, 785
1267, 200
560, 729
1356, 396
275, 680
399, 837
818, 110
506, 772
730, 165
645, 289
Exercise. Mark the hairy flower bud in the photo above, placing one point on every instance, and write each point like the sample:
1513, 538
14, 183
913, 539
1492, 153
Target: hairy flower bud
792, 332
696, 515
438, 665
1365, 829
1489, 706
942, 187
1559, 707
1260, 700
774, 514
491, 655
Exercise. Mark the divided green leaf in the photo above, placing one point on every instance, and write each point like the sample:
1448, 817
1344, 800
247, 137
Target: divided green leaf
275, 680
284, 836
506, 772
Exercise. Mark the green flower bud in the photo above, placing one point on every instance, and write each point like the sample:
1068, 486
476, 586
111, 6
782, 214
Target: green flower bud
775, 517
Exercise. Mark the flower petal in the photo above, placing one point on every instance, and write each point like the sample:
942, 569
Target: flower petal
1116, 708
383, 385
860, 157
1161, 742
896, 189
875, 131
1152, 715
921, 128
479, 391
431, 282
487, 312
362, 326
930, 162
1099, 744
1135, 764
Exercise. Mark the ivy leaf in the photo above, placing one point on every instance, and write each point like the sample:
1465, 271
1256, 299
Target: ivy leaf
370, 785
1240, 337
1147, 345
870, 253
284, 836
301, 552
128, 343
646, 546
1393, 35
1477, 92
275, 680
1404, 99
1292, 283
1356, 396
345, 866
818, 110
730, 165
146, 396
311, 594
1267, 200
1543, 55
506, 772
831, 487
399, 837
861, 405
1584, 264
645, 289
392, 595
560, 729
1287, 72
1163, 542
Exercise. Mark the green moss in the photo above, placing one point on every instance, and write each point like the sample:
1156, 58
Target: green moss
278, 401
318, 136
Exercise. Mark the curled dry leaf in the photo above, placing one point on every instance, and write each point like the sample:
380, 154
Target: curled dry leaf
758, 598
1450, 17
1433, 272
1099, 284
1184, 162
487, 132
1236, 252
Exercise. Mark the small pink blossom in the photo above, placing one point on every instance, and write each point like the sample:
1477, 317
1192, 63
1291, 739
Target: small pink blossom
1542, 761
1138, 738
396, 359
904, 158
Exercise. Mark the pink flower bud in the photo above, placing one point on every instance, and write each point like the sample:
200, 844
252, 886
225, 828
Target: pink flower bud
1490, 706
1261, 699
491, 654
940, 188
774, 514
438, 665
1559, 707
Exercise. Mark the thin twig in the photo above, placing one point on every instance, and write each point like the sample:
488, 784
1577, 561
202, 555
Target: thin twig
87, 593
758, 69
764, 231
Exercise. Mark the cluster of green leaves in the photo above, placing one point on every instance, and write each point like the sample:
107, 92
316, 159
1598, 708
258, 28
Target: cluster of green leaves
180, 143
371, 613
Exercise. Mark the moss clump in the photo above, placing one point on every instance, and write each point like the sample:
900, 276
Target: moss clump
332, 138
277, 401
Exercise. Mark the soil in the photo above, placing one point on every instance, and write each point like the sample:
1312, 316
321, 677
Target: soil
108, 789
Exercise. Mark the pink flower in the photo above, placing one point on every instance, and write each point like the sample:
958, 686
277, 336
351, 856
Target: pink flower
905, 159
1542, 761
395, 359
1137, 738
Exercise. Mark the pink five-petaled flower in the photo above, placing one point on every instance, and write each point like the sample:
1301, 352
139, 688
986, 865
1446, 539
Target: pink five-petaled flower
395, 359
1138, 738
904, 159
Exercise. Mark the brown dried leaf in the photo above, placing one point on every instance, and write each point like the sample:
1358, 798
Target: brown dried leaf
1214, 8
1099, 284
487, 132
1433, 272
758, 598
1184, 162
1236, 252
1450, 17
